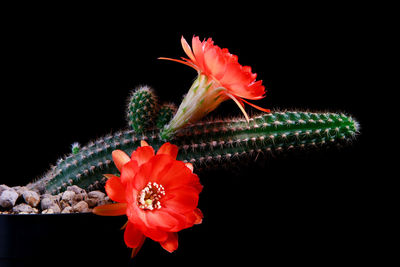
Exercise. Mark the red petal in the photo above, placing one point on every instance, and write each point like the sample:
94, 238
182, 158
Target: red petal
136, 215
177, 175
233, 74
257, 91
120, 158
198, 52
168, 149
142, 154
150, 171
154, 169
117, 209
182, 200
199, 216
115, 189
129, 171
187, 49
164, 220
171, 244
215, 62
156, 234
133, 236
193, 217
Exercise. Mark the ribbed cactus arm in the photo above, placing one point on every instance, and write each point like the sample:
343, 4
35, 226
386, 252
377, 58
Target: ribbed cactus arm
216, 140
204, 142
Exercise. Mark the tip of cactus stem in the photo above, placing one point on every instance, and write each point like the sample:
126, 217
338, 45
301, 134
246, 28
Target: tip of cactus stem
357, 125
143, 88
75, 147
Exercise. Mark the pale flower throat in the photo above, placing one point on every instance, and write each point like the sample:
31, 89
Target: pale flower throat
149, 197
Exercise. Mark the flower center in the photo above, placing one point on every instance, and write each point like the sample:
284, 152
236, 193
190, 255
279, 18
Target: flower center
149, 197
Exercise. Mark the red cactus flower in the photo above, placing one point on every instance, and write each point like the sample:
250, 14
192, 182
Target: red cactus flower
158, 193
221, 77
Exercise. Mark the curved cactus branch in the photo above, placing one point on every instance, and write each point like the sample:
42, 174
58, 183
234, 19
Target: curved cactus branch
204, 143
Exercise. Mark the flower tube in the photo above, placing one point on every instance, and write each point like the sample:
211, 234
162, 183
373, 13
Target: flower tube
220, 77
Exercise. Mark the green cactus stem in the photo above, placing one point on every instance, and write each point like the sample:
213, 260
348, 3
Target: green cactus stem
205, 143
142, 109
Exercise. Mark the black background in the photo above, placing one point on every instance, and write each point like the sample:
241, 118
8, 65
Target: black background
66, 76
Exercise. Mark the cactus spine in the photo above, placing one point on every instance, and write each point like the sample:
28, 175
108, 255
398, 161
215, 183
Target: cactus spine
205, 142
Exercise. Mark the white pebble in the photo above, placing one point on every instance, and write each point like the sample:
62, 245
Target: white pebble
8, 198
3, 187
68, 196
46, 203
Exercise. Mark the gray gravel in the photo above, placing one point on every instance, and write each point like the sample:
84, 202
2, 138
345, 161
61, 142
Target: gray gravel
21, 200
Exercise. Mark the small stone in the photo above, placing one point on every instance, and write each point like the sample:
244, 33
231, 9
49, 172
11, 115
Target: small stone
92, 202
94, 197
45, 196
76, 189
55, 208
64, 204
104, 201
68, 196
96, 194
67, 210
8, 198
3, 187
80, 196
46, 202
57, 197
81, 206
31, 198
23, 209
48, 211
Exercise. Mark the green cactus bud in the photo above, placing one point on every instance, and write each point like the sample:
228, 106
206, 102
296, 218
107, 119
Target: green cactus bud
75, 147
165, 114
142, 109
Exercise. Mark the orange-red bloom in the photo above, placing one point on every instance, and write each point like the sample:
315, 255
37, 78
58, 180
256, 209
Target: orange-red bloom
158, 193
221, 77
